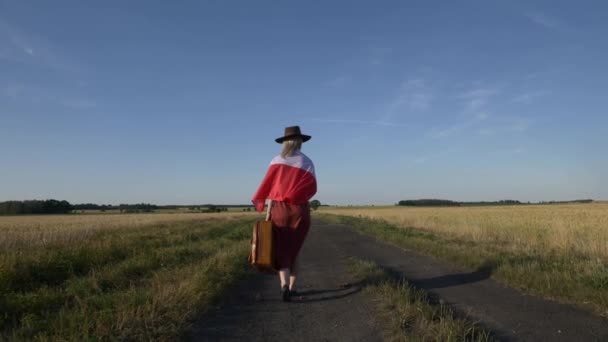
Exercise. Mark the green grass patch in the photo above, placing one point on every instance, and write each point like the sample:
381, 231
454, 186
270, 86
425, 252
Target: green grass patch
407, 313
567, 277
145, 283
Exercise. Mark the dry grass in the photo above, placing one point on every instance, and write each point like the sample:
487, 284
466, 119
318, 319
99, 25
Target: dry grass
28, 231
407, 313
573, 229
116, 277
555, 251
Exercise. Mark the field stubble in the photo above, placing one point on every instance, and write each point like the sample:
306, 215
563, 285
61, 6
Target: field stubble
557, 251
32, 230
115, 277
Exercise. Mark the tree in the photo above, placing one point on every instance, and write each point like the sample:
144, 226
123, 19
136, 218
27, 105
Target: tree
35, 207
315, 204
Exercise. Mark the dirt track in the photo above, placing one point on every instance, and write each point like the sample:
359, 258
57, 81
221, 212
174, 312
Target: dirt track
329, 312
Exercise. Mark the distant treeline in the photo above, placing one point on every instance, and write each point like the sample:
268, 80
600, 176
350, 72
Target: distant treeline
92, 206
567, 202
429, 203
50, 206
207, 206
501, 202
138, 207
151, 207
448, 203
148, 208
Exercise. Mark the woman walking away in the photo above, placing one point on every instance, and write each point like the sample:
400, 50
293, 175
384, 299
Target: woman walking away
289, 184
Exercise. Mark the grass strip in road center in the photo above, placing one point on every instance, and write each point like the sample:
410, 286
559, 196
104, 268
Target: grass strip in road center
407, 313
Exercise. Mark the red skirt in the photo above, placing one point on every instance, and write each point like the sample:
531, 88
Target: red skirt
291, 224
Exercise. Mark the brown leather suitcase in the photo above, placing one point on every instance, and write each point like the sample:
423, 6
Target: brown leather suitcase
262, 247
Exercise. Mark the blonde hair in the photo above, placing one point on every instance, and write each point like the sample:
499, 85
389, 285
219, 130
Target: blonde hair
290, 146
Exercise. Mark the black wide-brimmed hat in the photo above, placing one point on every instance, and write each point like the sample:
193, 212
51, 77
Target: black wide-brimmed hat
292, 132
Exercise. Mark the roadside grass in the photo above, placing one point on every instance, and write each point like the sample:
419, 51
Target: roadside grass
139, 283
407, 313
569, 277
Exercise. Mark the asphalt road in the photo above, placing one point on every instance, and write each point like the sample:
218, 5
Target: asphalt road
329, 311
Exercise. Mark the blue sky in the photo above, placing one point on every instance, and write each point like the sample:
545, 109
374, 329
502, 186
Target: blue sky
165, 102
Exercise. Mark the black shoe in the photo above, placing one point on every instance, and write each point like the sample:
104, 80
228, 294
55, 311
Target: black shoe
293, 293
285, 295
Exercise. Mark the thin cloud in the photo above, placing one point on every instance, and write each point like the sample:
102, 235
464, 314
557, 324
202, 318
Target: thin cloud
54, 96
477, 98
486, 132
513, 150
416, 94
482, 116
17, 45
338, 82
14, 40
420, 160
543, 74
360, 122
520, 125
506, 125
528, 96
455, 128
78, 103
543, 19
478, 93
379, 54
413, 95
475, 104
428, 157
450, 130
12, 91
513, 125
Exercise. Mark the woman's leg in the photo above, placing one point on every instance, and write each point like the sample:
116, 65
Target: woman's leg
284, 276
294, 272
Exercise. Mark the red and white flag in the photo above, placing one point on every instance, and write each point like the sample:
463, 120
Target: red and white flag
291, 180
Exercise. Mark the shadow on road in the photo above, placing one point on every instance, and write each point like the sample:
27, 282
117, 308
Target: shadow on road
312, 296
318, 292
456, 279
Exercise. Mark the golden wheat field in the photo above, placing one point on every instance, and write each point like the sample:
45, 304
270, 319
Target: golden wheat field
137, 277
32, 230
571, 228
